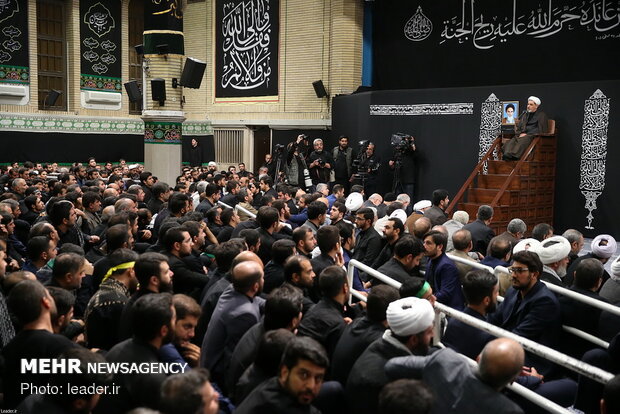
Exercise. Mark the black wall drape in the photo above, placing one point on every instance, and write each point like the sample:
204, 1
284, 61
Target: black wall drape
448, 145
64, 147
435, 44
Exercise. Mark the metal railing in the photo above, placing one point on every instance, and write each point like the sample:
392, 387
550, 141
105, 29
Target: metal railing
519, 389
550, 354
238, 207
571, 363
556, 289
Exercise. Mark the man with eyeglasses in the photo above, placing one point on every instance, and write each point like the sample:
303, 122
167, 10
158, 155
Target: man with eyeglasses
529, 308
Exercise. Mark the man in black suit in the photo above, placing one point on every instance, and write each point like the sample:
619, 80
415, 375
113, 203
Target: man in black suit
266, 189
481, 233
269, 230
480, 289
588, 279
408, 251
328, 240
232, 188
369, 243
178, 244
529, 308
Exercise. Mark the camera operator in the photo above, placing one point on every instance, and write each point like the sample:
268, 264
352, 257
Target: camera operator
295, 162
403, 164
369, 169
320, 163
343, 157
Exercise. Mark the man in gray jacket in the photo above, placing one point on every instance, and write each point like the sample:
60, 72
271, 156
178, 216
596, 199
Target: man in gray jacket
463, 388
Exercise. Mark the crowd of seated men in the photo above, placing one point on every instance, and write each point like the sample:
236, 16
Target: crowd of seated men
108, 264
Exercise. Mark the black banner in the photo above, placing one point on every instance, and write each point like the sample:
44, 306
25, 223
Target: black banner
100, 50
246, 41
14, 62
426, 44
163, 15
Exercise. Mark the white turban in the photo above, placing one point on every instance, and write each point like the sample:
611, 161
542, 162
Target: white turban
534, 99
410, 316
422, 204
602, 251
526, 244
615, 268
399, 214
354, 201
553, 249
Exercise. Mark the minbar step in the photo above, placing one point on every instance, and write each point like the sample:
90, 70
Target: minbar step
518, 182
532, 214
509, 198
532, 168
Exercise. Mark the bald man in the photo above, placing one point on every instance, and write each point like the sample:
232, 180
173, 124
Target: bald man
238, 309
463, 388
211, 297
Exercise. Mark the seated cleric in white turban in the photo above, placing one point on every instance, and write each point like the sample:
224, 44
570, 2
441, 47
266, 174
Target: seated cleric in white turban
533, 122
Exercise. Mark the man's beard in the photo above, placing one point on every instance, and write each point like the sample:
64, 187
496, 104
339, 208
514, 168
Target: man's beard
169, 336
561, 271
307, 394
165, 287
421, 349
520, 287
133, 285
491, 307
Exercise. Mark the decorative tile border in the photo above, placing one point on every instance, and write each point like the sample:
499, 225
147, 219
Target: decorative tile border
14, 74
38, 123
163, 132
197, 128
20, 122
100, 83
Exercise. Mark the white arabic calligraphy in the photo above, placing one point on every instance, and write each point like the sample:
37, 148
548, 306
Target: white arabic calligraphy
8, 8
99, 19
246, 28
418, 27
485, 33
594, 150
490, 126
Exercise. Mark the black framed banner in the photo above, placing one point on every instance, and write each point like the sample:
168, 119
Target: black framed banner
100, 46
436, 44
246, 48
163, 24
14, 62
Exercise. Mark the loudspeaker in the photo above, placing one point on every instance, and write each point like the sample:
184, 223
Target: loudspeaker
158, 90
52, 97
192, 73
319, 89
133, 91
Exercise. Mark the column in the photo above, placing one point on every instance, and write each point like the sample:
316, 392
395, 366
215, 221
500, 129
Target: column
163, 59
